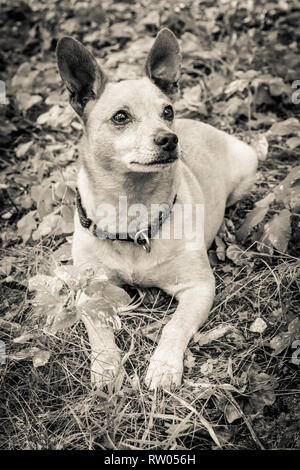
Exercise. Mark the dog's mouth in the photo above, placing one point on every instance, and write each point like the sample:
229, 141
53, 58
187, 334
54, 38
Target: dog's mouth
165, 161
160, 162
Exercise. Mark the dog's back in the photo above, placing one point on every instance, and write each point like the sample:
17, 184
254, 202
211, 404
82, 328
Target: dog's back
223, 166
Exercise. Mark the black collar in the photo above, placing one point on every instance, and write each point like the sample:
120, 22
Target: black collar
141, 237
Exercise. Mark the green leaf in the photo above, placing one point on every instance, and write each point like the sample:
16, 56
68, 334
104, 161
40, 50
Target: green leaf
116, 294
43, 283
46, 303
62, 318
94, 288
101, 311
66, 221
48, 226
93, 305
64, 192
260, 380
63, 253
70, 275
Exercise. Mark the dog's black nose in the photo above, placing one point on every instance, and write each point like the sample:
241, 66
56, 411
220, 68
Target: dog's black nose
167, 140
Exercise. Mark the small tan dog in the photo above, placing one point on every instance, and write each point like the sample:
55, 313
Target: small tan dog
134, 147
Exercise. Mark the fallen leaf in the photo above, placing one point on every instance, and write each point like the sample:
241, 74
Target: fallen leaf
60, 318
189, 360
258, 326
26, 225
22, 149
231, 413
25, 101
6, 265
260, 145
49, 225
63, 253
24, 354
288, 191
44, 283
283, 340
40, 358
287, 127
116, 294
24, 338
236, 254
212, 335
208, 367
221, 248
255, 217
293, 142
277, 231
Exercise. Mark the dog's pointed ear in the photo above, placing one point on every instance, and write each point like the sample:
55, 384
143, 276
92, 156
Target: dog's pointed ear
80, 72
163, 62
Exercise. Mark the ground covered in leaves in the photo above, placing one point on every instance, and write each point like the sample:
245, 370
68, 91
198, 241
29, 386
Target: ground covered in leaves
241, 378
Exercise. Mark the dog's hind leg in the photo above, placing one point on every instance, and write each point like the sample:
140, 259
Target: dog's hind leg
241, 190
243, 169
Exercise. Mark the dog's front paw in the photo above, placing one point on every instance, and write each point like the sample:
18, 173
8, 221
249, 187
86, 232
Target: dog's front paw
105, 367
165, 370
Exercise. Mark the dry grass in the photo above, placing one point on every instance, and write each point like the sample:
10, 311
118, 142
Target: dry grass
54, 406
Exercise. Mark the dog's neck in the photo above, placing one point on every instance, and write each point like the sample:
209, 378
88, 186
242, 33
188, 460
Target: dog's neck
153, 191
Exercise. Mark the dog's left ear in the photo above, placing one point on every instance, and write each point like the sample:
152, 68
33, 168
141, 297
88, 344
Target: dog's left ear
163, 62
80, 72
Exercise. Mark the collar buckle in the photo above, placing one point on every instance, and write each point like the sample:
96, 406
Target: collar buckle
141, 239
92, 228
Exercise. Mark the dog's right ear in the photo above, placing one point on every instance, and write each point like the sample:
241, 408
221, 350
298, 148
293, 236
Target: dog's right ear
80, 72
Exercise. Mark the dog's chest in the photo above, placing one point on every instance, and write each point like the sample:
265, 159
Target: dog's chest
123, 262
133, 265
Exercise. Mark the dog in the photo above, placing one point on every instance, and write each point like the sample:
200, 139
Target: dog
133, 147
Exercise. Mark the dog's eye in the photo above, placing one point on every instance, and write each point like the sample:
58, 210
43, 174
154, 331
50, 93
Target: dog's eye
120, 117
168, 113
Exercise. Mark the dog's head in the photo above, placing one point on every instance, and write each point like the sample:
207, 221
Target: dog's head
129, 124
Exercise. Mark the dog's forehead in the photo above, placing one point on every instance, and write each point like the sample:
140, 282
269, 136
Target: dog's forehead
133, 93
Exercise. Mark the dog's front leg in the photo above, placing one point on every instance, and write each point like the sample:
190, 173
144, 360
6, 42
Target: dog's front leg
166, 365
105, 355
